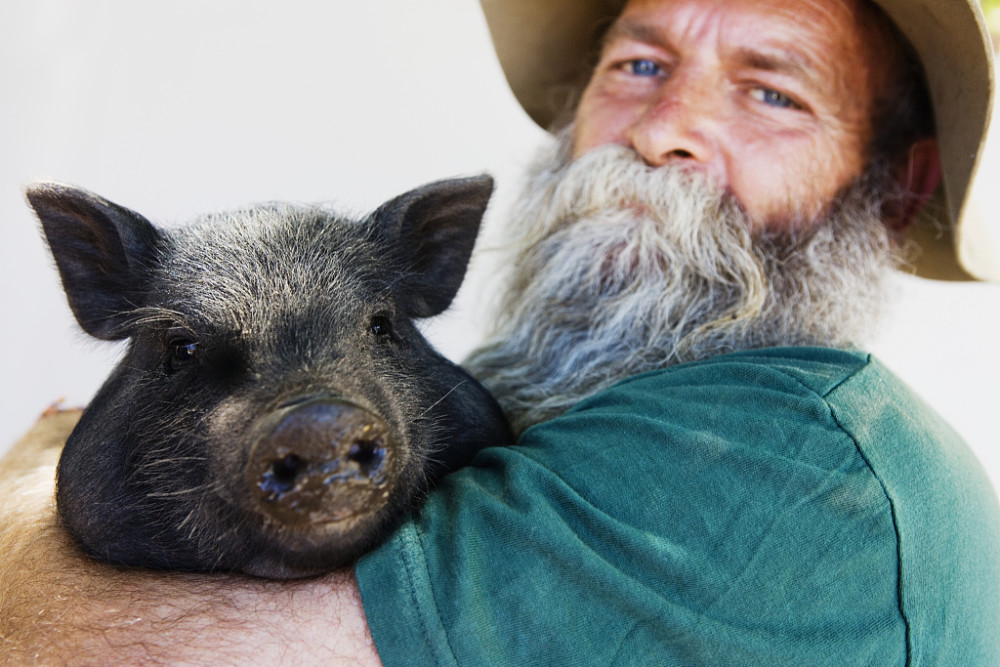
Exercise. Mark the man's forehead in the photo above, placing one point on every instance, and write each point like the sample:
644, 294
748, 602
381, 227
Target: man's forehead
834, 9
821, 42
778, 30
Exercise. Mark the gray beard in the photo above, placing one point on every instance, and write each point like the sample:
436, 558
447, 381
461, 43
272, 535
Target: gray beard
617, 269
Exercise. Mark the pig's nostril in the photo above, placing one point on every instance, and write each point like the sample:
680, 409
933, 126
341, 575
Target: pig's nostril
368, 455
281, 477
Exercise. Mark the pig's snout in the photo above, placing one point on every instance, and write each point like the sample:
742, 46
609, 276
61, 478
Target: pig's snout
324, 461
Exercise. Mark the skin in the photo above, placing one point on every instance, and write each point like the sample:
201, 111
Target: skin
771, 97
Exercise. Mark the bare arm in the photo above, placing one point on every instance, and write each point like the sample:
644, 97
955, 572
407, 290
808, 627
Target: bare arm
57, 606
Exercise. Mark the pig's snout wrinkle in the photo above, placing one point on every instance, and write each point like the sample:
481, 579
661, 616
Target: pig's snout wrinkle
325, 461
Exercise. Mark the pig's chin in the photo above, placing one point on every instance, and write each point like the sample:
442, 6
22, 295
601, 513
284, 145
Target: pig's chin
292, 554
280, 551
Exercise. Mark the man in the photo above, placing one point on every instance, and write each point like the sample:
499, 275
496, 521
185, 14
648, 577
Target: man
737, 177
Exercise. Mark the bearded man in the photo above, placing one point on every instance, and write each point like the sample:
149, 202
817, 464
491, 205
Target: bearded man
709, 470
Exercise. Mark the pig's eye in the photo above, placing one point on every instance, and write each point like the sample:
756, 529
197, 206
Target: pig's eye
380, 326
182, 352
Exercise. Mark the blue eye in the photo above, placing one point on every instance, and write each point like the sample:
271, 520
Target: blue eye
774, 98
643, 67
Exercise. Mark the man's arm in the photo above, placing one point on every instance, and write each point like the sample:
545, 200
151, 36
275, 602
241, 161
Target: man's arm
58, 606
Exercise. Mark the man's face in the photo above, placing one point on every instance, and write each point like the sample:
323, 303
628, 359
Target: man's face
772, 99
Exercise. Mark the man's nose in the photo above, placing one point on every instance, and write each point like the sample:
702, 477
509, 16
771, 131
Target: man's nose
679, 124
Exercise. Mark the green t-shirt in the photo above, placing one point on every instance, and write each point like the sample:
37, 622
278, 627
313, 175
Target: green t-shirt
794, 506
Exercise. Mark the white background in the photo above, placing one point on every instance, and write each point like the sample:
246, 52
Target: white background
179, 108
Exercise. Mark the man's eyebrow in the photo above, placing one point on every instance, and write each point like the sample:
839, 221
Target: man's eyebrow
626, 30
780, 61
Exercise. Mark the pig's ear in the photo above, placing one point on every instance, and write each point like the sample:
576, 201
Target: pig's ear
101, 250
436, 227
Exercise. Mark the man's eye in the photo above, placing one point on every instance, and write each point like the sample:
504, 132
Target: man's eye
643, 67
774, 98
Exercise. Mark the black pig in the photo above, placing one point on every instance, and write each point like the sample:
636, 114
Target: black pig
276, 411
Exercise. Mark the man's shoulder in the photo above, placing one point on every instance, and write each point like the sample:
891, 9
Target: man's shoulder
775, 398
816, 369
807, 404
761, 405
770, 380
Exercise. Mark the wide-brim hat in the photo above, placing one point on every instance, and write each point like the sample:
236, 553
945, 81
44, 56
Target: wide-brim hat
545, 48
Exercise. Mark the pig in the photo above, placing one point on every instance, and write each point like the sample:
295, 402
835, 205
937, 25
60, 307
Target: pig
276, 411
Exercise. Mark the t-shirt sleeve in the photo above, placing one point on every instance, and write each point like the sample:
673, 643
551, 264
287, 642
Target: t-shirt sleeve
711, 513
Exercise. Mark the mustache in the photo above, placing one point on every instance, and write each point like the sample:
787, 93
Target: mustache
608, 179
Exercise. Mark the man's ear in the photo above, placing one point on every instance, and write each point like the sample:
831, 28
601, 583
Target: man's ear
918, 176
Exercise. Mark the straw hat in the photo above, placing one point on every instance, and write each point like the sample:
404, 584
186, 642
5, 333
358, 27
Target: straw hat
544, 47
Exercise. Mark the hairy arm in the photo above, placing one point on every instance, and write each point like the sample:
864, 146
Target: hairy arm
58, 606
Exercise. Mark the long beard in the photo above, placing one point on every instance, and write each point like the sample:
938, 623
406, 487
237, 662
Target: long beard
617, 269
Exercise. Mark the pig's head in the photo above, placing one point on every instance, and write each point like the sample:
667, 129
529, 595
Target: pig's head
277, 410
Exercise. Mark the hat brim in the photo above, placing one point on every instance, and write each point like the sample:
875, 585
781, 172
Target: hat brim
546, 49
